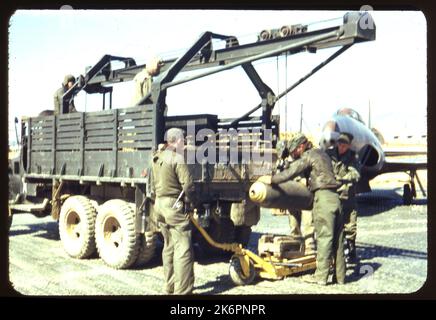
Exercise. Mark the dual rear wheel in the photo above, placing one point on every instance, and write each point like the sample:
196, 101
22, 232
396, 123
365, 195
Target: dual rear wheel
86, 228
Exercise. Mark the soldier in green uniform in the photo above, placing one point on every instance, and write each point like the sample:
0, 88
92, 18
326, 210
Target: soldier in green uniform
300, 221
144, 79
68, 82
346, 168
315, 165
302, 227
173, 188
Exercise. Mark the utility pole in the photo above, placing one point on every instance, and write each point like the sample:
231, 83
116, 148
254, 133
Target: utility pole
301, 118
16, 130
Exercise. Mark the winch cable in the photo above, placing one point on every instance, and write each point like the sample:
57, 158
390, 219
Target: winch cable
278, 83
286, 100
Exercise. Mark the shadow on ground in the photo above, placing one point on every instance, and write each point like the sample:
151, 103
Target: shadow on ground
367, 251
221, 284
382, 200
362, 270
46, 230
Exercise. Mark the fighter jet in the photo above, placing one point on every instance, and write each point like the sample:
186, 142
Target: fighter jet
372, 157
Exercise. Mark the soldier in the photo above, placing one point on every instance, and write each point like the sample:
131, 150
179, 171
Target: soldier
144, 79
171, 177
301, 221
301, 224
316, 166
68, 82
346, 168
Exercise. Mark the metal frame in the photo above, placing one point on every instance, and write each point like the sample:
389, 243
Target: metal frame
201, 55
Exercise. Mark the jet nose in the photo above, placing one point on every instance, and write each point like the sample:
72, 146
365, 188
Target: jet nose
329, 135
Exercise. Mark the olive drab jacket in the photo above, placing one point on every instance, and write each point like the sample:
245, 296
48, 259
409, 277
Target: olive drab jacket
170, 175
315, 166
346, 169
143, 82
58, 101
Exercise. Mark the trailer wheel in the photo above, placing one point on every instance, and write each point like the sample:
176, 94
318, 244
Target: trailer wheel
115, 234
237, 274
76, 227
147, 249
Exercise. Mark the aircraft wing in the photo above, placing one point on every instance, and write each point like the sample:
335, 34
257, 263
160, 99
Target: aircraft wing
390, 152
403, 165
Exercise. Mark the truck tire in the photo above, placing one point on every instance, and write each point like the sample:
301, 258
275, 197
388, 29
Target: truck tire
147, 249
147, 245
115, 234
76, 227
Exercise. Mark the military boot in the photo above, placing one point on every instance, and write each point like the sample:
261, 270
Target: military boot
311, 278
335, 279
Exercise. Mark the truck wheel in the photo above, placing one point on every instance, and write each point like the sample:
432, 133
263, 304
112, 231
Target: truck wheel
242, 235
76, 227
147, 245
115, 234
237, 274
147, 249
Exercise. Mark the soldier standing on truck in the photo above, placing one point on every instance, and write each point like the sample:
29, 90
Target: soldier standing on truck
173, 187
346, 169
68, 82
316, 166
144, 79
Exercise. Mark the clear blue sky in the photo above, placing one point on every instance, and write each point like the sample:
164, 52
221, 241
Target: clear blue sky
390, 72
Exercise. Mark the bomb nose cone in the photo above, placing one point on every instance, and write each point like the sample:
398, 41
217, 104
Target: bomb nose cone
289, 195
257, 192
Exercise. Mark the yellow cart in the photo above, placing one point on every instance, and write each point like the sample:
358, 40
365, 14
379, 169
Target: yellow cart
245, 264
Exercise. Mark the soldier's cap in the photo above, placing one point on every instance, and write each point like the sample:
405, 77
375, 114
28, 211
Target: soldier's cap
68, 78
345, 137
295, 141
173, 134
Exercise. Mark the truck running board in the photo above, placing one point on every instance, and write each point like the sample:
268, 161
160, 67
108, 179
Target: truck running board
29, 207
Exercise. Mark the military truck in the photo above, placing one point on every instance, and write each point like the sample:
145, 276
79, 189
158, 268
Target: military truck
91, 170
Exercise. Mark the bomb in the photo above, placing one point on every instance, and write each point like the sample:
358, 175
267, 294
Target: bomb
289, 195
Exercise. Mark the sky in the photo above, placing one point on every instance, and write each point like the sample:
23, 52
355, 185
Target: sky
389, 74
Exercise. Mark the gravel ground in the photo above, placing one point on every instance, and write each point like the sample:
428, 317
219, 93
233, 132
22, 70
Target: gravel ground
391, 244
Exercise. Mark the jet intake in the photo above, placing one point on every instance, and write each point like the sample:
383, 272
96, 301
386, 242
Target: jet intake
368, 156
289, 195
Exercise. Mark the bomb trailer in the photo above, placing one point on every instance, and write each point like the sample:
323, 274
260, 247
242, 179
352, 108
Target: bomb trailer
91, 170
